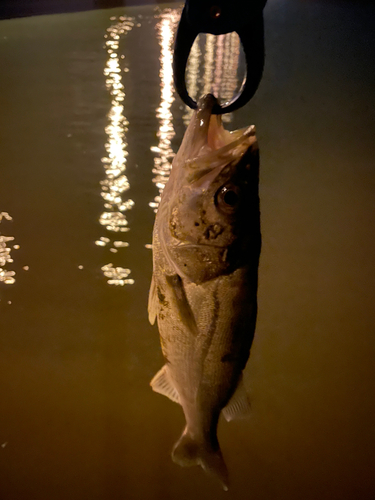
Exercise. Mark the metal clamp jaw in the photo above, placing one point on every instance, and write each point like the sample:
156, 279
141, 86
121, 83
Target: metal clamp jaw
223, 16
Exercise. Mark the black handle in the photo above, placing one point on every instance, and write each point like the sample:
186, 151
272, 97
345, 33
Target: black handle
201, 16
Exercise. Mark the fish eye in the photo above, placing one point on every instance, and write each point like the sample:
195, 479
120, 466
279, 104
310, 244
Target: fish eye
228, 198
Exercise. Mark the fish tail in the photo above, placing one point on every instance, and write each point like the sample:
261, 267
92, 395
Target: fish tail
189, 451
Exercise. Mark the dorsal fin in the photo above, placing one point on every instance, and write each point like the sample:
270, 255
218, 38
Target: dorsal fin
163, 384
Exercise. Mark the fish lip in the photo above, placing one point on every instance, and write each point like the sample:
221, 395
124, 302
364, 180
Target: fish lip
205, 105
197, 132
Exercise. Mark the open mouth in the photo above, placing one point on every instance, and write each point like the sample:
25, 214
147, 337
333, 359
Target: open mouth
206, 142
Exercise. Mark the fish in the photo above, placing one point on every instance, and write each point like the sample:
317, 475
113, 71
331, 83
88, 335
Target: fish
203, 294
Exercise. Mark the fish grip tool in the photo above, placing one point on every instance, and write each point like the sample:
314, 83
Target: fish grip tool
245, 17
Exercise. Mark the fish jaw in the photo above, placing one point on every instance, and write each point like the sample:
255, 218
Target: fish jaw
206, 135
204, 130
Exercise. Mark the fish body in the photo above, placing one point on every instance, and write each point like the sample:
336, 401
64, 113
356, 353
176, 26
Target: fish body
206, 246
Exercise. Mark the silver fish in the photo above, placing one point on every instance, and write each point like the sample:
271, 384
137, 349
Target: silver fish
206, 246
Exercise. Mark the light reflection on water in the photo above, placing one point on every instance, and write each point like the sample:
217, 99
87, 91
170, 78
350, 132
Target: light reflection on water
7, 276
192, 78
115, 184
227, 81
164, 153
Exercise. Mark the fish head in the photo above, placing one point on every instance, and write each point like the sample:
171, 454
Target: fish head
212, 205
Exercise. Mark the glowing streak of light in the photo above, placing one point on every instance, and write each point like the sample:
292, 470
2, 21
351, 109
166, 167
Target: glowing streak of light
192, 77
163, 151
217, 83
220, 56
115, 183
208, 63
6, 276
230, 80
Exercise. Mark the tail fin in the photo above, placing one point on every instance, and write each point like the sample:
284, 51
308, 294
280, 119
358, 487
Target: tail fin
188, 451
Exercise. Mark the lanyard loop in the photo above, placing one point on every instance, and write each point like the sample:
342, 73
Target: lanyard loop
243, 16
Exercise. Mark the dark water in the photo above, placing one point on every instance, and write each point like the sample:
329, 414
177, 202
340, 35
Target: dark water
78, 419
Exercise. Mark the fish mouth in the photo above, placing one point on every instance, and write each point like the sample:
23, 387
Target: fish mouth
218, 140
231, 151
207, 144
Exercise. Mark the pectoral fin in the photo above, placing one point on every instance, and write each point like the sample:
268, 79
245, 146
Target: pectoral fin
152, 302
239, 405
179, 295
163, 384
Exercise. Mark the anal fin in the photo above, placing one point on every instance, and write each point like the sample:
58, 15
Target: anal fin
238, 405
163, 384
